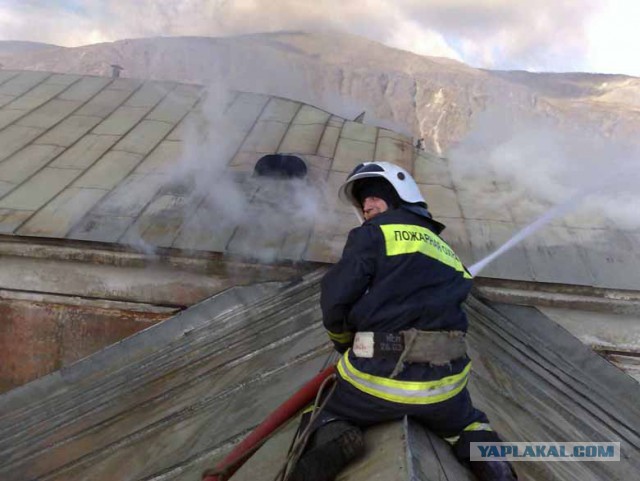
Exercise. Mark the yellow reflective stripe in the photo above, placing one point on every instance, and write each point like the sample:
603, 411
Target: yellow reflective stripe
452, 440
342, 337
410, 239
406, 392
471, 427
308, 409
478, 427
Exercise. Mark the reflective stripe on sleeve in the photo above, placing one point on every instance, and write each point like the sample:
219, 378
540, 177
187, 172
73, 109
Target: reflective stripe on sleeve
341, 337
405, 392
478, 427
410, 239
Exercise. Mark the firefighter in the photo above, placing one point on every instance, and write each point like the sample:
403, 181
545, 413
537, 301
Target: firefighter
392, 307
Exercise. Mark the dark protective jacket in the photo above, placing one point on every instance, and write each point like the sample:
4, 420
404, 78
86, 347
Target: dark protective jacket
395, 273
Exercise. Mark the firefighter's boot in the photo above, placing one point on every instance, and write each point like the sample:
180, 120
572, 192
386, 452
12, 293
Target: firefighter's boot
493, 471
333, 447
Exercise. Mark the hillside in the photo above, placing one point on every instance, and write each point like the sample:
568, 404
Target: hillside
429, 97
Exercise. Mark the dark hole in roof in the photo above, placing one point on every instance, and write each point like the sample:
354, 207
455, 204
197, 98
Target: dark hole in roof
281, 166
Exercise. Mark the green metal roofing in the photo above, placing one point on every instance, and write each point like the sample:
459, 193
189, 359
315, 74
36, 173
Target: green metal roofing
163, 164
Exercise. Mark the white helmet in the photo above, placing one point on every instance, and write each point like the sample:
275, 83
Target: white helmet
400, 179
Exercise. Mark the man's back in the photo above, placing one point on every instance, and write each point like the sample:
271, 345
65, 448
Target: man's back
413, 278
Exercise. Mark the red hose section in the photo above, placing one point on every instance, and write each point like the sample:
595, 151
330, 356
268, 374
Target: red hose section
302, 398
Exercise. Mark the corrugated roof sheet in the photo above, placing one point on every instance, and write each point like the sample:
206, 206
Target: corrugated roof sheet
112, 160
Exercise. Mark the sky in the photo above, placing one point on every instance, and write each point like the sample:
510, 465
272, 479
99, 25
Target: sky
545, 35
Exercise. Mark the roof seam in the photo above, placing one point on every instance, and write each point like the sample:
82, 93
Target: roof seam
225, 171
197, 104
537, 355
142, 157
375, 144
141, 212
324, 130
35, 212
30, 111
40, 135
284, 135
27, 92
8, 79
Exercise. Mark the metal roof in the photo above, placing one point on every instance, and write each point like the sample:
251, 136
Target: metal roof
171, 400
109, 160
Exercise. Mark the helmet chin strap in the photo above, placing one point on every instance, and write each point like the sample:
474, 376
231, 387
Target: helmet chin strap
358, 213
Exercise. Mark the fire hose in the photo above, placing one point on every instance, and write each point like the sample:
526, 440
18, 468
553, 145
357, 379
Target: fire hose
287, 410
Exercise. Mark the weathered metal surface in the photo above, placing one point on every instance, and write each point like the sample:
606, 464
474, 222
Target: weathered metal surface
538, 382
175, 106
430, 458
600, 330
70, 130
400, 152
22, 82
611, 257
109, 171
60, 304
22, 165
15, 137
214, 358
35, 98
628, 361
172, 400
442, 201
49, 114
104, 103
350, 153
148, 278
59, 216
85, 152
85, 88
7, 117
144, 137
116, 212
456, 234
486, 236
41, 334
39, 189
11, 219
599, 302
555, 255
161, 221
113, 129
302, 138
329, 141
122, 120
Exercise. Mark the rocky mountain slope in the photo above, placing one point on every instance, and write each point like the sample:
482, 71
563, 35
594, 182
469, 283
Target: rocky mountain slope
434, 98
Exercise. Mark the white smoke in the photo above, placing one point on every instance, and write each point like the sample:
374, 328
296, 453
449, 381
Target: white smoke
547, 163
223, 209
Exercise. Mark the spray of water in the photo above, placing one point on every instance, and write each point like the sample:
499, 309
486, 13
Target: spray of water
525, 232
627, 170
